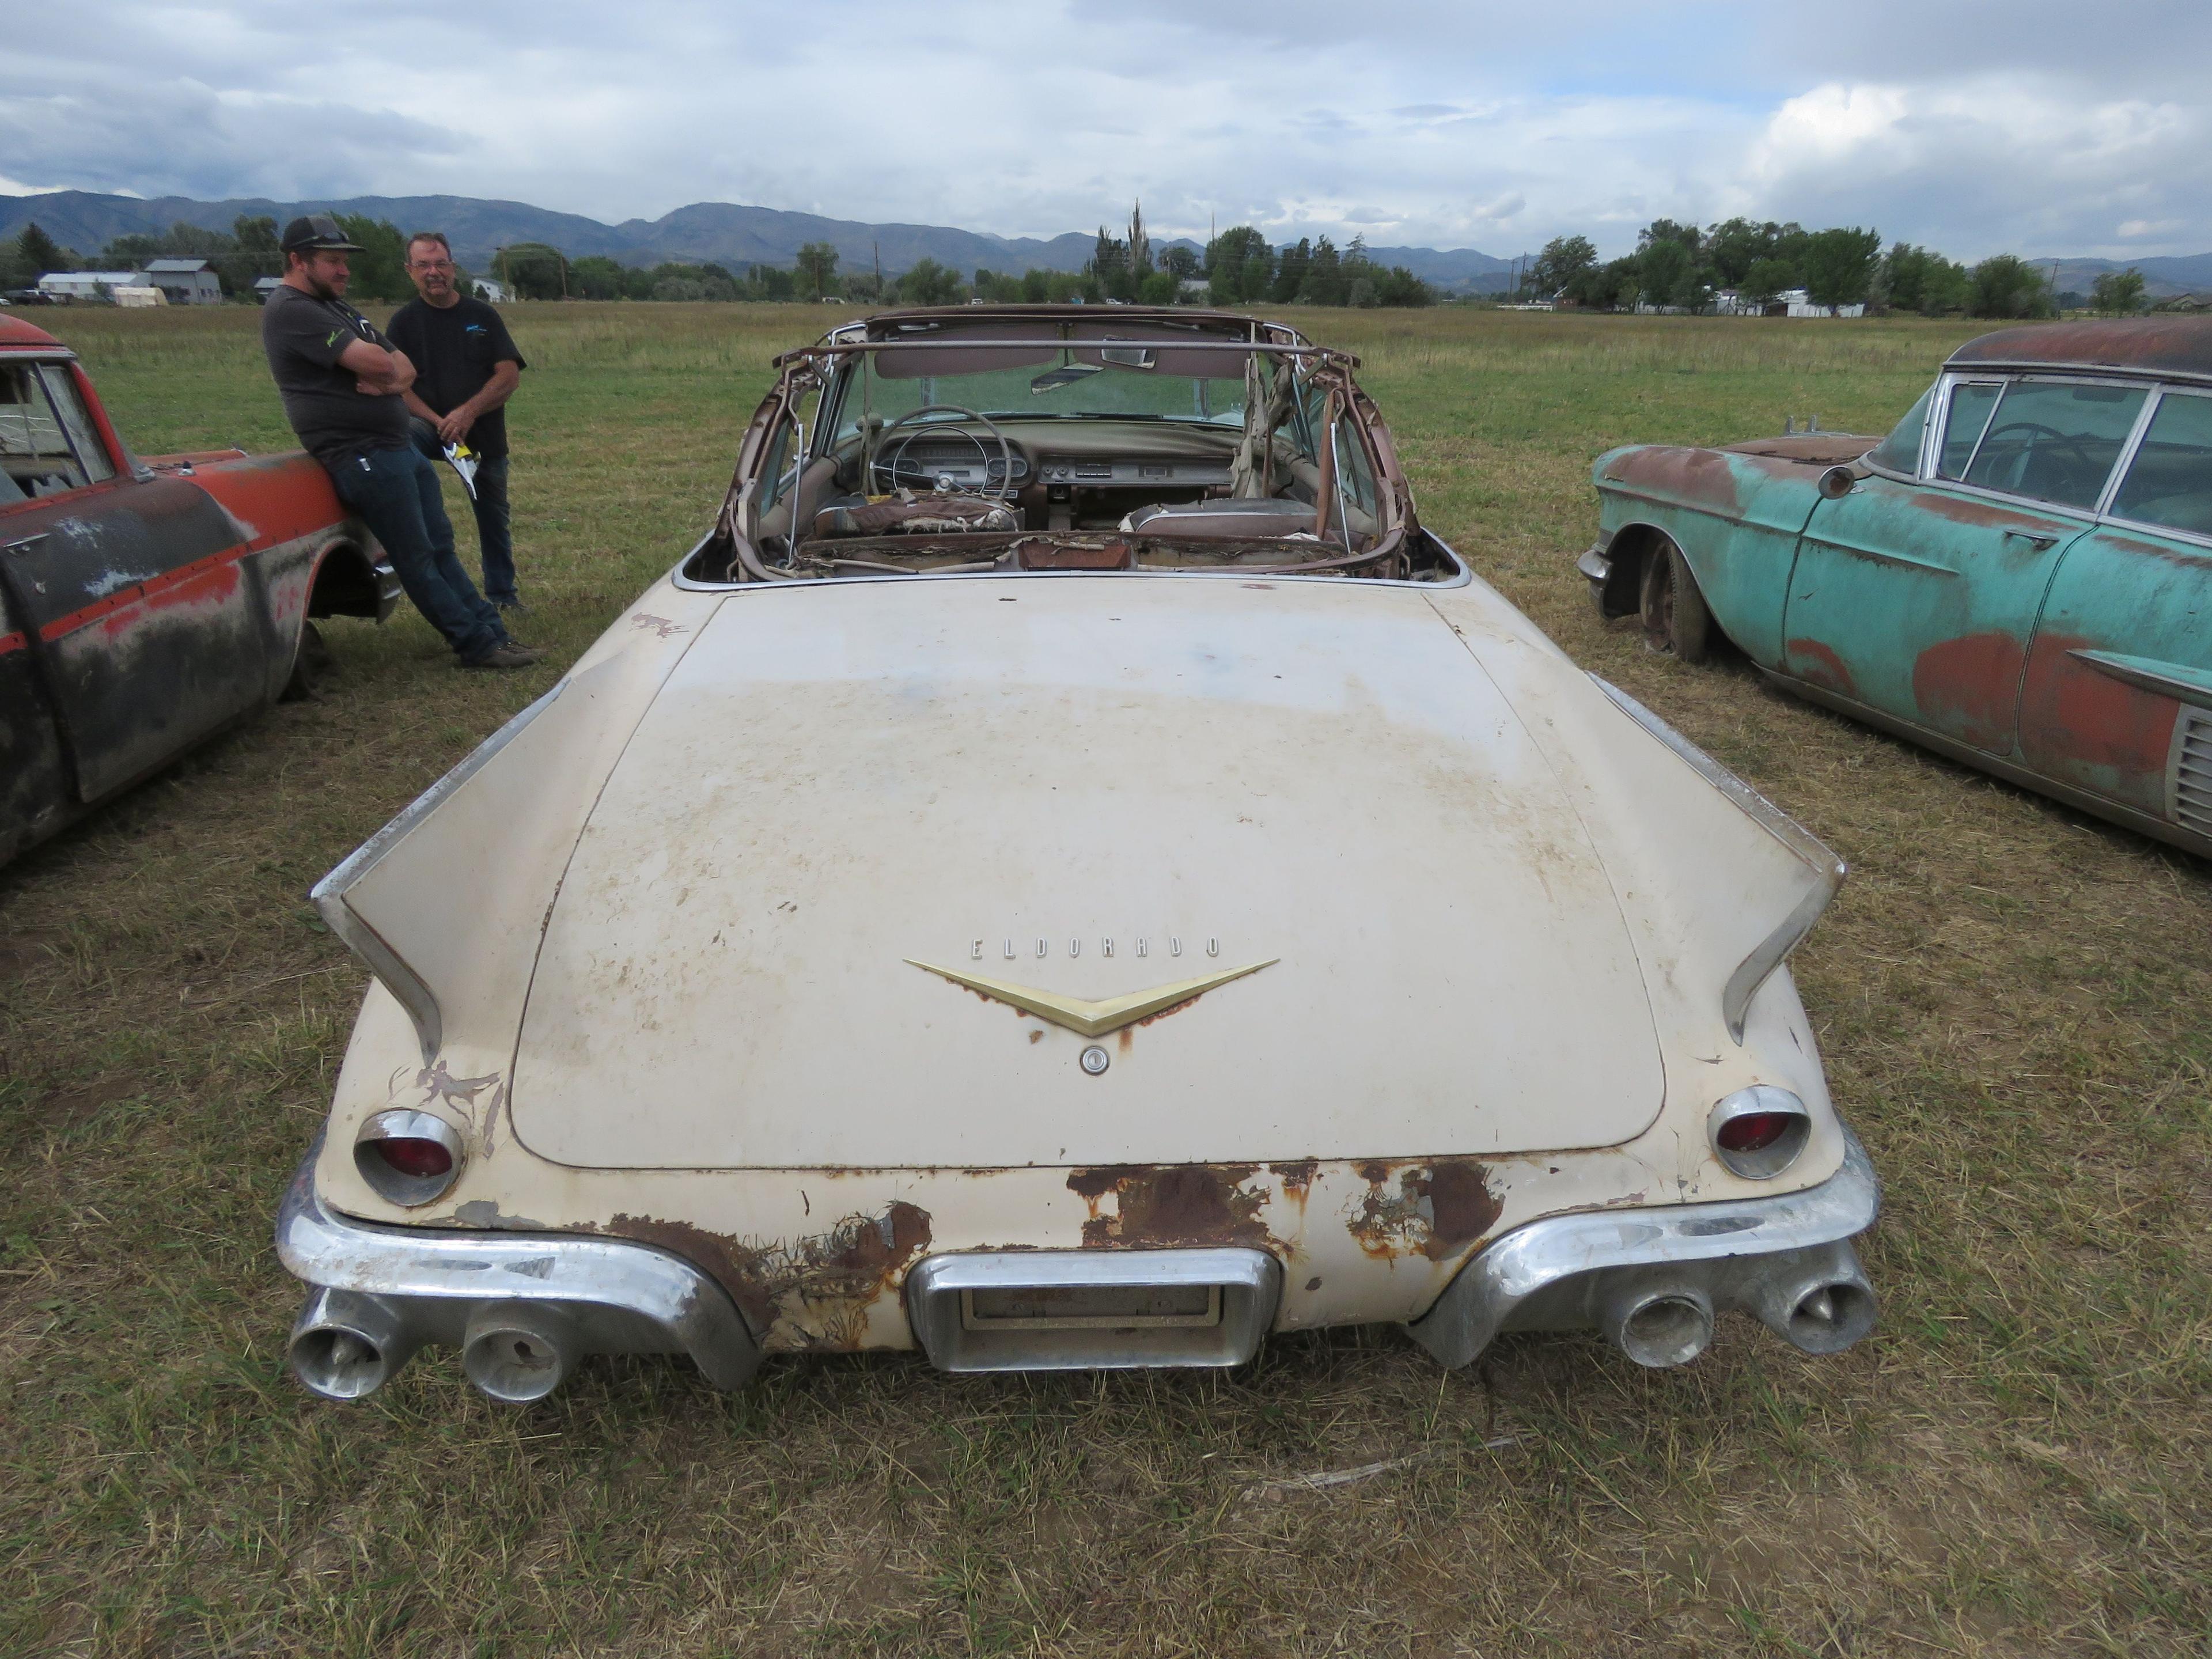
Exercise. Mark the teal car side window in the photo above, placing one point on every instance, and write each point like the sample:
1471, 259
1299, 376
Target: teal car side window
1901, 451
2169, 484
1971, 403
2055, 440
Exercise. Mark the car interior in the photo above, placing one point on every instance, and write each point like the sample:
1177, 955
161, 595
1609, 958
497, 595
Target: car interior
996, 448
39, 418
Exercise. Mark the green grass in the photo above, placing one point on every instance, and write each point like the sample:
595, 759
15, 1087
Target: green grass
2011, 997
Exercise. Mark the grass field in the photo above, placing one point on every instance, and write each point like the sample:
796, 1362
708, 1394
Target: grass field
2012, 997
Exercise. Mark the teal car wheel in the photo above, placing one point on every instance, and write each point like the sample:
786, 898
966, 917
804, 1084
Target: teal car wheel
1676, 623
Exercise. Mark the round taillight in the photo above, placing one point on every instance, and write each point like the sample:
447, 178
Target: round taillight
1754, 1132
1759, 1132
408, 1158
415, 1156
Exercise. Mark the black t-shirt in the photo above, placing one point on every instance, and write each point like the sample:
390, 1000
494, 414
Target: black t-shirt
454, 350
303, 337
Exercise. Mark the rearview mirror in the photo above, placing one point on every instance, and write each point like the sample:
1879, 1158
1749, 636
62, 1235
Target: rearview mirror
1065, 374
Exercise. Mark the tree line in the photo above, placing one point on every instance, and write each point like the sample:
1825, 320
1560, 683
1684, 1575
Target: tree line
1675, 266
1682, 267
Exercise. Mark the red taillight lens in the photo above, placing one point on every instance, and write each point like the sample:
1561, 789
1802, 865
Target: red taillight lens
1754, 1132
416, 1158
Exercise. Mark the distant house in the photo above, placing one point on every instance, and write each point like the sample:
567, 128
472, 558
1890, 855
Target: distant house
138, 296
1797, 302
187, 282
491, 292
85, 284
1194, 291
265, 286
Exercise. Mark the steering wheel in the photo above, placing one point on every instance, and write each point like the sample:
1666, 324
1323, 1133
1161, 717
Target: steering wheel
2036, 431
888, 462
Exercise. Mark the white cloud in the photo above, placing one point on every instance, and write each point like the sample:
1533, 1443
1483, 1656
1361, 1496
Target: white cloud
1478, 124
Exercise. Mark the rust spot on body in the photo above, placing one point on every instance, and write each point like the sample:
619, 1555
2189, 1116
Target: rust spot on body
1437, 1209
1174, 1204
1817, 664
2072, 712
813, 1292
1703, 475
1967, 686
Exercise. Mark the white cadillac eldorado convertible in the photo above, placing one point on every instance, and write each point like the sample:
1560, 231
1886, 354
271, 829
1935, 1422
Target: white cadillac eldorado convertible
1069, 874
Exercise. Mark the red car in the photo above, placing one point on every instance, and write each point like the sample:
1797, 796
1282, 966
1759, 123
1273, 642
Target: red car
146, 605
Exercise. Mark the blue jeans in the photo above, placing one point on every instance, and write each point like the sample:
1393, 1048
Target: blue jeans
395, 491
495, 540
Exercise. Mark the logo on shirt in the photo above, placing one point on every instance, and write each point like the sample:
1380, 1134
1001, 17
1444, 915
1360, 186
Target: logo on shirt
336, 334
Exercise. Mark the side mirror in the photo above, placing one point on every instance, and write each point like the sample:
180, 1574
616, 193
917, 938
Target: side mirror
1837, 483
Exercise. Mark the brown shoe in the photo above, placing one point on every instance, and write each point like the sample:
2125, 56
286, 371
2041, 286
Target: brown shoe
508, 655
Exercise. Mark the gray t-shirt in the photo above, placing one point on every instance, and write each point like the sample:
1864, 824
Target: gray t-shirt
304, 337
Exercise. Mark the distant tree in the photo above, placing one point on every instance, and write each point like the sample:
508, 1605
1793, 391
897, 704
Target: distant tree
1180, 261
1399, 287
818, 266
1921, 280
1766, 279
1839, 264
1688, 237
1734, 247
1292, 266
38, 252
1666, 267
595, 276
380, 270
1614, 285
1159, 288
1363, 294
2007, 288
2117, 293
864, 286
929, 283
1562, 269
1240, 266
1325, 280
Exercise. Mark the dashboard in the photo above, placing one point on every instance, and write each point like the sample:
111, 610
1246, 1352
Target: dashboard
1101, 456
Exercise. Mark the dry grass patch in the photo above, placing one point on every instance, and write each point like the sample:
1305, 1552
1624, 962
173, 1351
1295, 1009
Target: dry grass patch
2011, 997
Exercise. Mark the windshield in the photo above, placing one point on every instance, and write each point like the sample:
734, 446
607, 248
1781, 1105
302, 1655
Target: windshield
1064, 386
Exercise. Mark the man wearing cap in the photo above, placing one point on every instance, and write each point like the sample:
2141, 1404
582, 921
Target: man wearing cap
466, 367
343, 383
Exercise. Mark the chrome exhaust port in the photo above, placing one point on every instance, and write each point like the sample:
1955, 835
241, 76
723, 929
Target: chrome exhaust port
1658, 1319
346, 1345
1817, 1300
519, 1352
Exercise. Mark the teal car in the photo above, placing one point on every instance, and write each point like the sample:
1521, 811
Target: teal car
2019, 576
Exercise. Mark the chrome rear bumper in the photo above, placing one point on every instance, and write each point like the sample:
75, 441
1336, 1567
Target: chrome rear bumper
522, 1306
1786, 1259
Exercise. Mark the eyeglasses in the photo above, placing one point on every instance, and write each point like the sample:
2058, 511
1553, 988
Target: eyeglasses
431, 264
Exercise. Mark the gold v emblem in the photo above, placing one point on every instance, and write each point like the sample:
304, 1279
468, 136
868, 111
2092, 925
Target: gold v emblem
1094, 1018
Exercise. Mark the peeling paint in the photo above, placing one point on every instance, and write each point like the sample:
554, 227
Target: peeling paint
1436, 1211
1173, 1203
809, 1292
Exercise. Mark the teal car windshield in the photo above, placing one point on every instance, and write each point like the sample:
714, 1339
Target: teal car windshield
1901, 451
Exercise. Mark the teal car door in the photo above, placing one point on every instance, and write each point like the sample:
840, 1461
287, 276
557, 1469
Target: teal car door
1918, 598
2118, 699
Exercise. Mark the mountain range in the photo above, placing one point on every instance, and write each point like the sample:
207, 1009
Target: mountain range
729, 234
723, 233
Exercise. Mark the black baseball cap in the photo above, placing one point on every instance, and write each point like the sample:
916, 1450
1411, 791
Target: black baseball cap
316, 233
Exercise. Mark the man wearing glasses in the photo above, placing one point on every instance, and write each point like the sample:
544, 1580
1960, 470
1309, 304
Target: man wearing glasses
343, 382
466, 367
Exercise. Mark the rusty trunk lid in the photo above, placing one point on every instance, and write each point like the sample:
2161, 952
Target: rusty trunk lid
1080, 788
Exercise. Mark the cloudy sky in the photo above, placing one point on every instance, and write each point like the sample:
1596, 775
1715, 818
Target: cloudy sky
2041, 127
